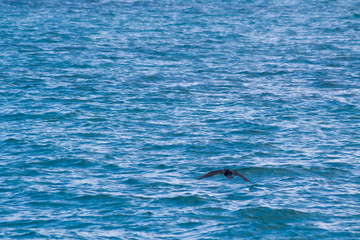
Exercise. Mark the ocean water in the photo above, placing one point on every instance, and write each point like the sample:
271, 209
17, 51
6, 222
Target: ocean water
111, 110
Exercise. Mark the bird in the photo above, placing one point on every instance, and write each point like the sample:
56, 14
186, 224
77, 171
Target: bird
227, 172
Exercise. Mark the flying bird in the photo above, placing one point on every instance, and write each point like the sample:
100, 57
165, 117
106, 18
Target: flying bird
227, 172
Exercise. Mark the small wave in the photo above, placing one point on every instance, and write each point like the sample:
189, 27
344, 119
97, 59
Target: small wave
182, 201
267, 214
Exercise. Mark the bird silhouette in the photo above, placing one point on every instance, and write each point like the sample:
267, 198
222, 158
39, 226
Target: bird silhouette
227, 172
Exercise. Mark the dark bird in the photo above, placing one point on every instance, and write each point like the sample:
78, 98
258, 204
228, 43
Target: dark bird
227, 172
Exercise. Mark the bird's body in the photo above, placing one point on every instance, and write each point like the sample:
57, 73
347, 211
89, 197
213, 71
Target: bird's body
227, 172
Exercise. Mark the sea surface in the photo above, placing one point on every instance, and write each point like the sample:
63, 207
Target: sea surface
110, 111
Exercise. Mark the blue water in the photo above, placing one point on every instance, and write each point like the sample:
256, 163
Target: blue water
111, 110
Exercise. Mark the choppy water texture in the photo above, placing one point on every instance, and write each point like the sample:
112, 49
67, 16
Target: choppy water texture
111, 110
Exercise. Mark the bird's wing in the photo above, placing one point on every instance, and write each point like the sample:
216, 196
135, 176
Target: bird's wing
242, 176
212, 173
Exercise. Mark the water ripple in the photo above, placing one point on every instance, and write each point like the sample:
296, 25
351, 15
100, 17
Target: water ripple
111, 110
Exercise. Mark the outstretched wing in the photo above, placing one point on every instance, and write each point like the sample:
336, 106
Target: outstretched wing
212, 173
242, 176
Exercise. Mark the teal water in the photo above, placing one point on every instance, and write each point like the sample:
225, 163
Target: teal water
111, 110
